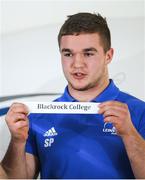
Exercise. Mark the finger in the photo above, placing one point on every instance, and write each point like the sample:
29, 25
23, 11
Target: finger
115, 106
118, 112
21, 124
14, 117
19, 108
117, 123
111, 103
111, 119
108, 109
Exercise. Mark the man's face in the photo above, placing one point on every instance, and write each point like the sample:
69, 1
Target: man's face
84, 61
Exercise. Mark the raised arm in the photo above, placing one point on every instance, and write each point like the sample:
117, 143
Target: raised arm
118, 114
16, 162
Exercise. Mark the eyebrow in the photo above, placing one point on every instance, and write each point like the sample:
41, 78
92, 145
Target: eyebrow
84, 50
66, 50
90, 49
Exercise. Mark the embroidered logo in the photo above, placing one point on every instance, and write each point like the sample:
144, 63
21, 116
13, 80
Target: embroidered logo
50, 132
49, 137
109, 128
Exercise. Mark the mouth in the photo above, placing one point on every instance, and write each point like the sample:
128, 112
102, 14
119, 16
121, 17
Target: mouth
78, 75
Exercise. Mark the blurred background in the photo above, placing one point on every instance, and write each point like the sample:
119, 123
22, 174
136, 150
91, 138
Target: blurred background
30, 67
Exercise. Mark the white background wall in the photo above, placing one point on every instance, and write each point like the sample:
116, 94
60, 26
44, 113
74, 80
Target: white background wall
0, 53
30, 60
30, 57
0, 71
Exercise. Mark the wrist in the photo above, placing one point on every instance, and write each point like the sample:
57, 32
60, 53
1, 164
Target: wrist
18, 142
131, 136
129, 133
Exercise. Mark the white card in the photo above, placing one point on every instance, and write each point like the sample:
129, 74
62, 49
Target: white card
63, 107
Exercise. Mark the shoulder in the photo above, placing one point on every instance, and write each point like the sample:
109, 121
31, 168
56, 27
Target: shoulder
137, 110
128, 98
133, 102
59, 99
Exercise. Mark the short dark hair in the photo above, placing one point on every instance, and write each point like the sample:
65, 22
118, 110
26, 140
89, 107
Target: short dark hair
82, 23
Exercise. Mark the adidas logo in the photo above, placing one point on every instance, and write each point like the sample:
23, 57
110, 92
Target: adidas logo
50, 132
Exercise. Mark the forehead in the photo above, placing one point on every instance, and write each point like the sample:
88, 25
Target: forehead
79, 42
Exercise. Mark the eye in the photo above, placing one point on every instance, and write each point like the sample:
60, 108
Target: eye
68, 54
88, 54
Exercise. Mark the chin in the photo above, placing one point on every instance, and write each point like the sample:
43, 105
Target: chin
80, 87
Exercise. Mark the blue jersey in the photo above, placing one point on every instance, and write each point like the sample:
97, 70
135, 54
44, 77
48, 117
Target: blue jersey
82, 145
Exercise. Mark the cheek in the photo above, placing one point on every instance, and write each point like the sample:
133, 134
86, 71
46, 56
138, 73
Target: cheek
93, 66
96, 67
65, 66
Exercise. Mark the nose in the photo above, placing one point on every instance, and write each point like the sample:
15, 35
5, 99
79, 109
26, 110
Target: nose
78, 61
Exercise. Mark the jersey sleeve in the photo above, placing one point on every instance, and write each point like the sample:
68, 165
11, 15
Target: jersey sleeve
31, 141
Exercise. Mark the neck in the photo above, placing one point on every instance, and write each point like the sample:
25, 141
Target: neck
89, 94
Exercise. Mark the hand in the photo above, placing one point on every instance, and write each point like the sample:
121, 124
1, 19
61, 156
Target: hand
17, 122
118, 114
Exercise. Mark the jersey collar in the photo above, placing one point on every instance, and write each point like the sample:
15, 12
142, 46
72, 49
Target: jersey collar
110, 93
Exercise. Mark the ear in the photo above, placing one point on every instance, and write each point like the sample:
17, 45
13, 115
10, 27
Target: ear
109, 55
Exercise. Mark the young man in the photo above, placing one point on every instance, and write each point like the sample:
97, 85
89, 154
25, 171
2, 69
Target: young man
106, 145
